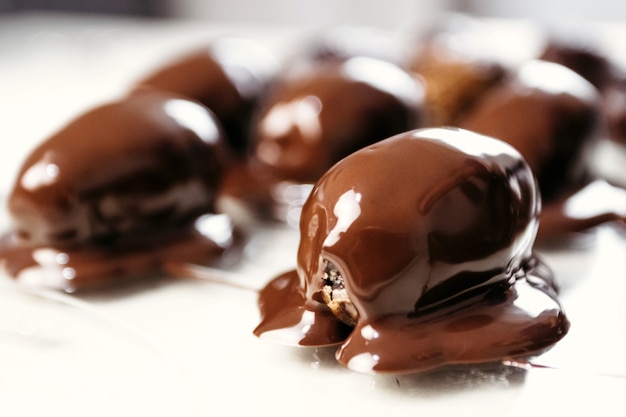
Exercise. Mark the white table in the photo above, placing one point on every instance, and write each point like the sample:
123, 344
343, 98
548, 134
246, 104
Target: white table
186, 348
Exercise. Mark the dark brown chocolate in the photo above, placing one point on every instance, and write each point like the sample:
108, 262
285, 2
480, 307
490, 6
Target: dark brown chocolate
229, 76
583, 57
118, 191
553, 117
431, 233
318, 113
550, 115
454, 80
459, 59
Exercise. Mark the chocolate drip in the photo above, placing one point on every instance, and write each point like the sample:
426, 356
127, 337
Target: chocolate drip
119, 188
432, 233
229, 76
317, 113
552, 116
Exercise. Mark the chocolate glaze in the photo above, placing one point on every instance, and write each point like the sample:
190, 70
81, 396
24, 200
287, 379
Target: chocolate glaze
549, 114
117, 191
432, 231
553, 117
229, 76
584, 58
460, 59
455, 79
316, 113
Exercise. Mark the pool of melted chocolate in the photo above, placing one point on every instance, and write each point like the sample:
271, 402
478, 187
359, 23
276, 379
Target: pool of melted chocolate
432, 232
118, 191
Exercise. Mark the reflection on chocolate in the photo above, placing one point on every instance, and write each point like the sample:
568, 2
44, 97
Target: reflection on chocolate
416, 252
317, 113
614, 107
460, 59
550, 115
583, 58
229, 77
120, 189
553, 117
454, 80
320, 112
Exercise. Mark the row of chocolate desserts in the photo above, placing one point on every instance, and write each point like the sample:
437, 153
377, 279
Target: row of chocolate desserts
135, 184
410, 258
132, 185
560, 125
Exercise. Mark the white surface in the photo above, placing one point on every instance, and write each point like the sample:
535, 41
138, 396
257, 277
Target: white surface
309, 13
185, 348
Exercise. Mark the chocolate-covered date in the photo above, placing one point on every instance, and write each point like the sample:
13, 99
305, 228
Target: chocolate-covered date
319, 112
151, 161
117, 192
229, 76
417, 252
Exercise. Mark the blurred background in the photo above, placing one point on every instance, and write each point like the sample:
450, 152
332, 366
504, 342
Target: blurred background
305, 12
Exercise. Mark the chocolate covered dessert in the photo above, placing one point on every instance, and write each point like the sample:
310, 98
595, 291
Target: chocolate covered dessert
316, 114
117, 192
593, 58
549, 114
589, 58
229, 76
585, 57
417, 252
454, 80
553, 117
458, 63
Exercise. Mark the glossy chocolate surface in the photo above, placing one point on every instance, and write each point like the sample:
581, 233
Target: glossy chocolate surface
459, 61
585, 59
123, 177
454, 80
229, 76
432, 231
319, 112
550, 115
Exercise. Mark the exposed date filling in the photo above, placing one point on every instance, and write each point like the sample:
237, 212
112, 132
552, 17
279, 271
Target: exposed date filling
450, 283
335, 295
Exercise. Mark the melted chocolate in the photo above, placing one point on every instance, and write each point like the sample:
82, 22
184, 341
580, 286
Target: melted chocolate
584, 58
454, 80
432, 233
552, 116
316, 114
460, 59
116, 192
229, 77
